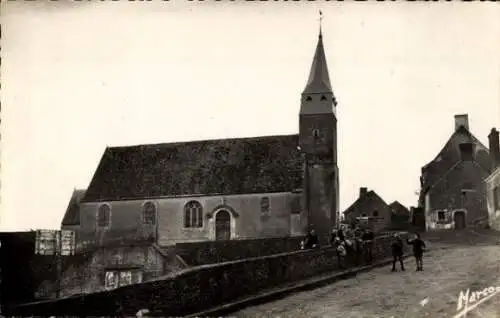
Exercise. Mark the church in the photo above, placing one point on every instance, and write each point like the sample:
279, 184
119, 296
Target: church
242, 188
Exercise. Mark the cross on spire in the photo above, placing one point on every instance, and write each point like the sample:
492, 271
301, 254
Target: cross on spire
320, 22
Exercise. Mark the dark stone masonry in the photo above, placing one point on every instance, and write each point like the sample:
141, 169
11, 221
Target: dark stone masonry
201, 287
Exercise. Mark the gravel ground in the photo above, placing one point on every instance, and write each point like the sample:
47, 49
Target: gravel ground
381, 293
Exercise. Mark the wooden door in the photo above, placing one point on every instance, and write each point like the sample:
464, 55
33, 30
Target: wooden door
222, 225
459, 218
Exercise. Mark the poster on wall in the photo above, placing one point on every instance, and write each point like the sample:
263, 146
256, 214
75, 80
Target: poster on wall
50, 242
111, 280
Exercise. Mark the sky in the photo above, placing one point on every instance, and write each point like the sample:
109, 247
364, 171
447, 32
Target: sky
80, 76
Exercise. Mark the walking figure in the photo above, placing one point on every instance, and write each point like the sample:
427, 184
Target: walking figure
397, 252
418, 250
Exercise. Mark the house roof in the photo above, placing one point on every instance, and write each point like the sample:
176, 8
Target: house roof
450, 155
209, 167
370, 195
398, 208
72, 215
459, 166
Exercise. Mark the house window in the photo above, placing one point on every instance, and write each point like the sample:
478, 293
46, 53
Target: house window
149, 213
193, 215
104, 215
466, 151
308, 98
441, 216
323, 97
363, 215
264, 205
375, 213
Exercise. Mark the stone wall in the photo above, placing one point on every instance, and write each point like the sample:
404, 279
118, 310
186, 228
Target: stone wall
200, 288
84, 273
493, 199
210, 252
462, 188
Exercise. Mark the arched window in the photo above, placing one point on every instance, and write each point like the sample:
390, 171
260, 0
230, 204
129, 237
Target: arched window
193, 214
149, 213
104, 215
264, 205
323, 97
315, 133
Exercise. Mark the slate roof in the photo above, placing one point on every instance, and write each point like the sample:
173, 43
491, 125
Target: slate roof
319, 80
210, 167
450, 155
72, 215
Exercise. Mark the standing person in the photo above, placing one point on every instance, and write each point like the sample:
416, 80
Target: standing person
311, 240
333, 237
397, 252
367, 238
341, 252
418, 250
340, 234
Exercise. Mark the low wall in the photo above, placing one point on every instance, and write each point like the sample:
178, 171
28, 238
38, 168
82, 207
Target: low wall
200, 288
211, 252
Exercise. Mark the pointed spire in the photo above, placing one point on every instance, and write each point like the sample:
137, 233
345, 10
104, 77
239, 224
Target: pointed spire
319, 80
320, 20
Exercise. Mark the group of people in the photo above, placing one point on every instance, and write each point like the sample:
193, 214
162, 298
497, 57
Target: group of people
352, 243
349, 244
398, 251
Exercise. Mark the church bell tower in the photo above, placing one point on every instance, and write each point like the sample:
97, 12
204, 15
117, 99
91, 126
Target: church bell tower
318, 143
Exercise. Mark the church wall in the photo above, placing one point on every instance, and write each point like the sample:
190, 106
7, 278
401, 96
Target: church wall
247, 220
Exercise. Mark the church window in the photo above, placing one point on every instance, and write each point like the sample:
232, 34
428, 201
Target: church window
149, 213
441, 216
193, 215
375, 213
264, 205
104, 215
296, 205
323, 97
308, 98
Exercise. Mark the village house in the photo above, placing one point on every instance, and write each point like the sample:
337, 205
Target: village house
493, 182
400, 218
369, 210
453, 192
145, 199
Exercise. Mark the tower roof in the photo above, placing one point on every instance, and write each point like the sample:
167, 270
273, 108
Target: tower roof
319, 80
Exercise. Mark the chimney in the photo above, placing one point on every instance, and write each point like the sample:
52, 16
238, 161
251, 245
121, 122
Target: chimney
461, 120
362, 191
494, 147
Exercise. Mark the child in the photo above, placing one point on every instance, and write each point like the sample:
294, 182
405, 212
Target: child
418, 250
397, 252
